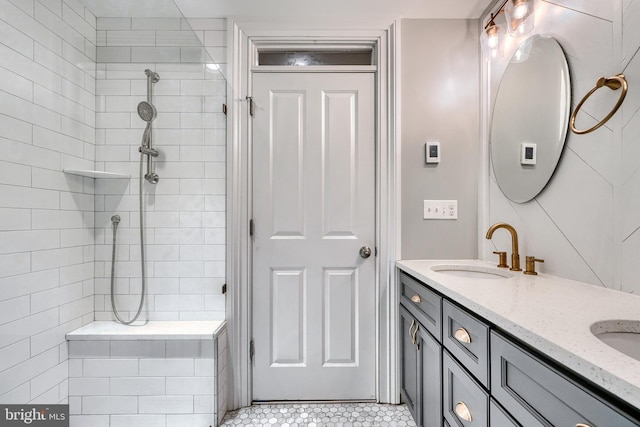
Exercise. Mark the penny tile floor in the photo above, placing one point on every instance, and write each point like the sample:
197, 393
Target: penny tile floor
321, 415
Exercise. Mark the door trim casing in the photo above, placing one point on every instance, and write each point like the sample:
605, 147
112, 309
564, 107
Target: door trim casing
244, 37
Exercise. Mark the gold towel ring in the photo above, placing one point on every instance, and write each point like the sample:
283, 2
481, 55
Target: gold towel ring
613, 83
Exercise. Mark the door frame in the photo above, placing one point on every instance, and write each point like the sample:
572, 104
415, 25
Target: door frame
245, 36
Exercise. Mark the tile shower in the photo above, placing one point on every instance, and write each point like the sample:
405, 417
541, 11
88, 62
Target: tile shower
69, 85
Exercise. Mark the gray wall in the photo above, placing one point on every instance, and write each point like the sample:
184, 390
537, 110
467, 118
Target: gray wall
440, 102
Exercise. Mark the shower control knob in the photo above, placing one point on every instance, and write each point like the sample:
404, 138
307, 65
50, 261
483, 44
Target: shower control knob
365, 252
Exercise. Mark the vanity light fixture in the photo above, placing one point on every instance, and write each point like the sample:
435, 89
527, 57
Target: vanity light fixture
519, 18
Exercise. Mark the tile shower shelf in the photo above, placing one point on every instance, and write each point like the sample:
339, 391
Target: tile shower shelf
96, 174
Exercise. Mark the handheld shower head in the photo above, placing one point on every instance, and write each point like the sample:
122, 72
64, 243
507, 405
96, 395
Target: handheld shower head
147, 111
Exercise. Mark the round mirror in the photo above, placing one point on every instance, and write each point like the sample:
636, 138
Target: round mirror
530, 118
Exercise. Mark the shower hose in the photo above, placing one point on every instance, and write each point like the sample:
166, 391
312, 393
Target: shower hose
142, 261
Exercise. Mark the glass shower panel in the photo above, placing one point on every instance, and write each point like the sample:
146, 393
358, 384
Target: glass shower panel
185, 210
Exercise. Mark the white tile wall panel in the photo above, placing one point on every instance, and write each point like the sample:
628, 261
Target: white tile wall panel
167, 37
163, 24
139, 386
191, 385
51, 395
51, 338
58, 26
190, 420
14, 309
27, 111
139, 349
114, 23
34, 29
109, 405
166, 404
53, 258
16, 40
166, 367
146, 420
16, 130
28, 240
24, 372
55, 297
89, 386
74, 17
155, 54
13, 354
16, 84
110, 367
18, 395
131, 38
49, 380
14, 264
15, 174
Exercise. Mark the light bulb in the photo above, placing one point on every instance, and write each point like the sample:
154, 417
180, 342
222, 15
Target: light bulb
492, 37
520, 10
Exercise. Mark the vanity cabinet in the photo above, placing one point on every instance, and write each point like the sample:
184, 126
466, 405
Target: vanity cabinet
537, 394
471, 374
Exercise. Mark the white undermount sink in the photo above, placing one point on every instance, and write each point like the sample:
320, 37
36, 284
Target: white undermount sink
472, 271
622, 335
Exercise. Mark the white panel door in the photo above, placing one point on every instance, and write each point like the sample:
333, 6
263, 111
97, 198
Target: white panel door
313, 210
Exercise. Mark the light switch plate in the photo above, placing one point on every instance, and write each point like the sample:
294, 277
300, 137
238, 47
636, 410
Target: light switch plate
440, 209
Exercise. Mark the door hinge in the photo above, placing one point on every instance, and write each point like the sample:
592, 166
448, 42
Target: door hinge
252, 350
251, 105
375, 251
224, 109
224, 289
251, 228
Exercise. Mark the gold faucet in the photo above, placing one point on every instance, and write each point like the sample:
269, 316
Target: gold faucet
515, 256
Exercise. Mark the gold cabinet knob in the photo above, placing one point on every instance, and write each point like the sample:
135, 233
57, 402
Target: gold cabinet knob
502, 263
531, 265
582, 425
462, 335
462, 411
416, 298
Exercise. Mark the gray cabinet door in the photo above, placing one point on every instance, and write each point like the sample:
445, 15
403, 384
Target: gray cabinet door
409, 360
535, 394
430, 387
461, 389
499, 418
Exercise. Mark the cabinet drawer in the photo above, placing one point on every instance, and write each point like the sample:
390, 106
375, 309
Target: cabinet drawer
536, 394
462, 393
424, 304
498, 417
467, 338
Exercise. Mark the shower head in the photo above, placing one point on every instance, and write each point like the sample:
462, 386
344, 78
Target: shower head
147, 111
155, 77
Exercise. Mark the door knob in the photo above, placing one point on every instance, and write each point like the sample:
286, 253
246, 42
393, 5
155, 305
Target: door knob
365, 252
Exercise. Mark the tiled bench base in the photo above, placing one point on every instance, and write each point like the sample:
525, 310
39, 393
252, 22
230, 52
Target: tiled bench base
147, 379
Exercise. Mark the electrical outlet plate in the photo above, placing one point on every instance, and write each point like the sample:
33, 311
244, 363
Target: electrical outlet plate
440, 209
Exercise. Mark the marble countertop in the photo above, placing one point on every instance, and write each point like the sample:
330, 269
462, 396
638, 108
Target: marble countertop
552, 314
153, 330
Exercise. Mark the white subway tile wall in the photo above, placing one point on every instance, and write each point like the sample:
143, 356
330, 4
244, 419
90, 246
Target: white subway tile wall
185, 211
47, 116
134, 383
